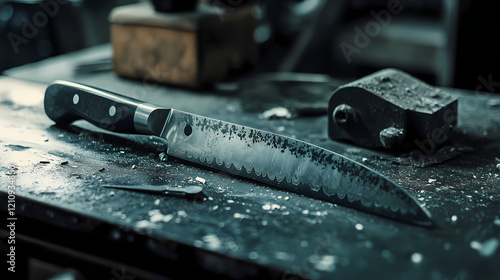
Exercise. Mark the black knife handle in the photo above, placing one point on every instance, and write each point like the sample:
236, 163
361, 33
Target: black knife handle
66, 102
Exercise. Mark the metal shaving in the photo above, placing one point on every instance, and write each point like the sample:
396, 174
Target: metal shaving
163, 156
201, 180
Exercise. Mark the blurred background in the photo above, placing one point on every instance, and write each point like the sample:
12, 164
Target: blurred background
450, 43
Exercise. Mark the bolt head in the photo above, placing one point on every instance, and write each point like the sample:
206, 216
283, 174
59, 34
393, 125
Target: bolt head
344, 116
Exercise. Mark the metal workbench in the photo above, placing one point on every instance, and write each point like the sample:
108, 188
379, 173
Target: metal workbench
241, 229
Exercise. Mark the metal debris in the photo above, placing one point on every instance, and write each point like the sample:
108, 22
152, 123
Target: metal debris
212, 241
238, 216
276, 113
324, 263
155, 216
416, 258
269, 206
494, 103
144, 224
154, 211
163, 156
201, 180
487, 248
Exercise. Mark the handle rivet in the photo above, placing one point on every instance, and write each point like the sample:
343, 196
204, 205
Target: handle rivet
188, 130
112, 110
76, 99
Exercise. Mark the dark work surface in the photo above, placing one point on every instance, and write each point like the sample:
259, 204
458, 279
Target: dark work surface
244, 228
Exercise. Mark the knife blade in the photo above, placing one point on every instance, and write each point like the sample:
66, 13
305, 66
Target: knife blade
269, 158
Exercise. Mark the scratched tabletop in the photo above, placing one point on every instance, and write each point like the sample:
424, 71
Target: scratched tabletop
239, 228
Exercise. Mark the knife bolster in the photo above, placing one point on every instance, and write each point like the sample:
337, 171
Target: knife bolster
149, 119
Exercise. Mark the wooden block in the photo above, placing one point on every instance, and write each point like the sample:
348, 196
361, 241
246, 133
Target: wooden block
190, 49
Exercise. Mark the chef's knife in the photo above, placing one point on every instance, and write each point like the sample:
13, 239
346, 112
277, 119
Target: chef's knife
266, 157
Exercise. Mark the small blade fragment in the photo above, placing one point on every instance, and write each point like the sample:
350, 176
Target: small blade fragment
162, 189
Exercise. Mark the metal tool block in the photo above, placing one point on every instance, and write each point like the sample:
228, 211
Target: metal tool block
391, 109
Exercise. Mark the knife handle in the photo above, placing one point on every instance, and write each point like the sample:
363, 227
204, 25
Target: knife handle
66, 102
